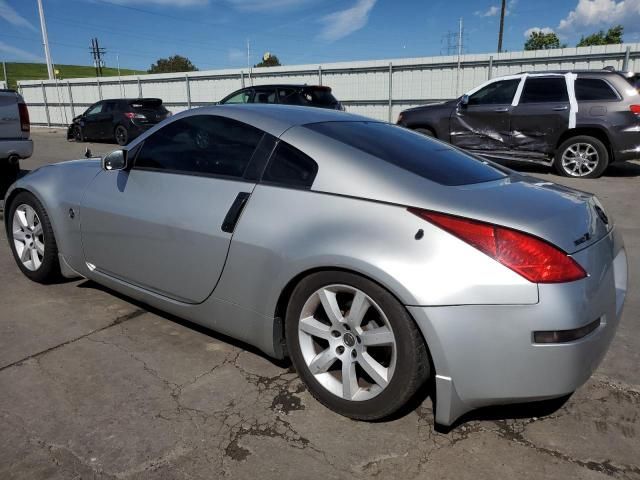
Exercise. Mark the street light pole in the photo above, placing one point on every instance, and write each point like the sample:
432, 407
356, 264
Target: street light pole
503, 11
45, 40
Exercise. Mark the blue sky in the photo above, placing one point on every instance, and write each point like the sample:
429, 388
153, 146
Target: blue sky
213, 33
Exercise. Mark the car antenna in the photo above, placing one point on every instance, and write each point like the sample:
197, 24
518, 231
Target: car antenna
87, 153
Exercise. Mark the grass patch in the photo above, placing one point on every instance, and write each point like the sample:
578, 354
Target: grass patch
38, 71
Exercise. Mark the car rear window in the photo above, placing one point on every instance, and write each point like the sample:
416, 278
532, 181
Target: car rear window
635, 81
147, 104
594, 89
411, 151
319, 96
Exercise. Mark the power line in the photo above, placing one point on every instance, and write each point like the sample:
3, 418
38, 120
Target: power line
97, 53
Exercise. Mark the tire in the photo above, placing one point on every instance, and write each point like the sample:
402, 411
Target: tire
405, 358
426, 132
592, 163
121, 135
46, 268
77, 134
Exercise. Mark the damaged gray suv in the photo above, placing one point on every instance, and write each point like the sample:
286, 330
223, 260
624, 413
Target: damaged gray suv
580, 122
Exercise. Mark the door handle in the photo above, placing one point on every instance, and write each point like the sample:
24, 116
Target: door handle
560, 108
231, 219
502, 109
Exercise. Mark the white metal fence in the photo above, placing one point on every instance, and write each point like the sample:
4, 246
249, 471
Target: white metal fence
376, 88
3, 84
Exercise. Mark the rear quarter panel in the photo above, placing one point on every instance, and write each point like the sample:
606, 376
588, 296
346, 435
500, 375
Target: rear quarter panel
286, 232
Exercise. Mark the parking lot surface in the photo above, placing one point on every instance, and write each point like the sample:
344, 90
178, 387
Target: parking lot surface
94, 385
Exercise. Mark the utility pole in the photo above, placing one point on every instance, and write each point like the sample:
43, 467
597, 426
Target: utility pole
248, 55
45, 40
97, 53
459, 57
503, 11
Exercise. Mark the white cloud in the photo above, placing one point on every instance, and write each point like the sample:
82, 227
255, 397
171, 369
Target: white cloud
16, 53
531, 30
339, 24
591, 14
258, 5
490, 12
10, 15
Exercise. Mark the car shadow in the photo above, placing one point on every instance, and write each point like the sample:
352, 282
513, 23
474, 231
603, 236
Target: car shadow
284, 364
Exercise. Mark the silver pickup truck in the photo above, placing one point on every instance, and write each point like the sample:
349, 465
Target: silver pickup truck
15, 143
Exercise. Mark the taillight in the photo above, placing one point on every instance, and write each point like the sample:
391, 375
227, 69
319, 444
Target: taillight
132, 115
635, 109
533, 258
25, 125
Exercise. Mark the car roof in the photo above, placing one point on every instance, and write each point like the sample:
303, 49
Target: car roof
275, 119
294, 85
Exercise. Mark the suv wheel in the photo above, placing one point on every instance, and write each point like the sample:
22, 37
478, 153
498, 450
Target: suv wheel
78, 136
354, 345
582, 156
121, 135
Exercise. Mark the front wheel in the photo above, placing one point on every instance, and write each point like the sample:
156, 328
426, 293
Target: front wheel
354, 345
121, 135
582, 156
78, 136
32, 241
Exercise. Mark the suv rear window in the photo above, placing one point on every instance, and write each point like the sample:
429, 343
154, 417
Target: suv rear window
319, 96
542, 90
410, 151
635, 81
594, 89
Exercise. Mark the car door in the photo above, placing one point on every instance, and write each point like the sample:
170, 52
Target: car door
483, 123
91, 119
164, 224
541, 116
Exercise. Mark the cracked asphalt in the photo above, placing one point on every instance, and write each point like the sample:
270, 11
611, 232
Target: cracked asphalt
94, 385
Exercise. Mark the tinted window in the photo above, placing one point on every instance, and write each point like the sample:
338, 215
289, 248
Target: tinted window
202, 144
264, 96
541, 90
635, 81
593, 89
319, 96
97, 108
289, 166
289, 96
496, 93
242, 97
410, 151
110, 106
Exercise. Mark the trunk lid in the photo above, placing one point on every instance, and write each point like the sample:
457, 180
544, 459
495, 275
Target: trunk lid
151, 108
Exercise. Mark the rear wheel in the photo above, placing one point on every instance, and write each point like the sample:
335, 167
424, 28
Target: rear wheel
32, 241
354, 345
121, 135
582, 156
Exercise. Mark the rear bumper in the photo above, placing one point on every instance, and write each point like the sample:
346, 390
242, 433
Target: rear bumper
486, 355
23, 148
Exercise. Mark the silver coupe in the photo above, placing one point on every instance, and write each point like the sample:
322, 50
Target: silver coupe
373, 257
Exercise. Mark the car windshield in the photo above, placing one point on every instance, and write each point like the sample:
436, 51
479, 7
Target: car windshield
411, 151
319, 96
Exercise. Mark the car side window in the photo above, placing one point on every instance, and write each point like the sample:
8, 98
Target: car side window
264, 96
109, 107
289, 166
97, 108
241, 97
205, 145
544, 90
289, 96
594, 89
500, 92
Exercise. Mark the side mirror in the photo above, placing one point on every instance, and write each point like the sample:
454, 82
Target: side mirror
464, 101
116, 160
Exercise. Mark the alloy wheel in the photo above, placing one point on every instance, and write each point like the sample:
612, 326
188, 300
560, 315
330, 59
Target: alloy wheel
580, 159
121, 135
347, 342
28, 237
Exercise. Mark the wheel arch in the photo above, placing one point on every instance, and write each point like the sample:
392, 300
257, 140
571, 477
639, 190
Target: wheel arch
591, 131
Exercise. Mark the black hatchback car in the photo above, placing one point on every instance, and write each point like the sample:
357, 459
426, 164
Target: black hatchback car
305, 95
119, 120
578, 121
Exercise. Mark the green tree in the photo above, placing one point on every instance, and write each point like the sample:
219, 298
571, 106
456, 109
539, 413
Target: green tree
269, 60
176, 63
542, 41
610, 37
